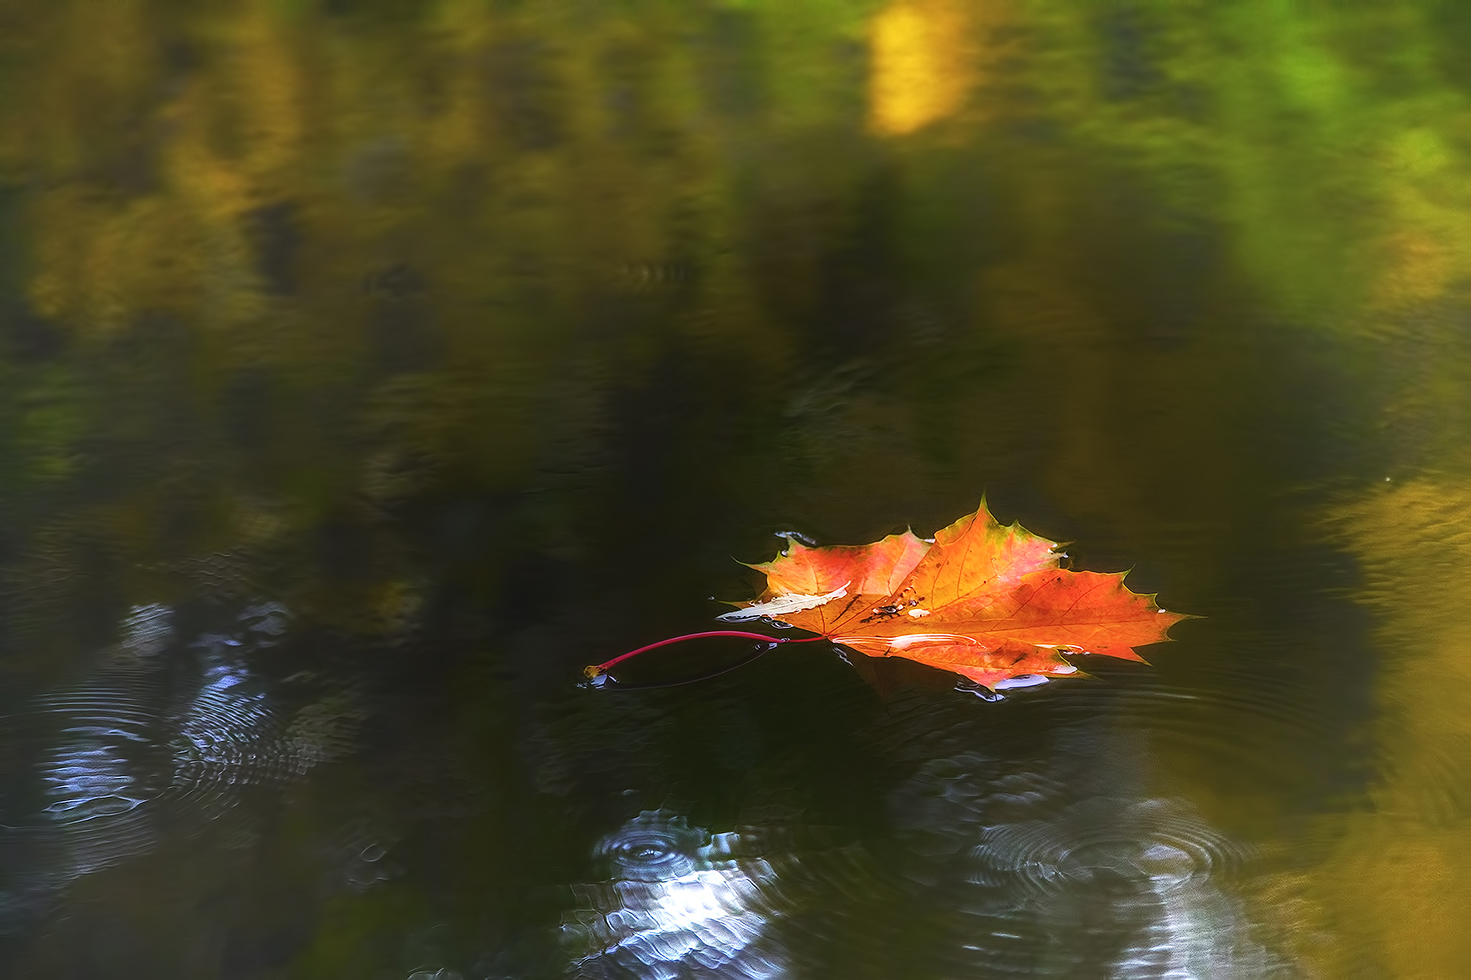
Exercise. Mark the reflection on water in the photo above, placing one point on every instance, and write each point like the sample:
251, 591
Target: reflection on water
1408, 849
1006, 870
482, 335
163, 740
1129, 888
680, 902
1054, 864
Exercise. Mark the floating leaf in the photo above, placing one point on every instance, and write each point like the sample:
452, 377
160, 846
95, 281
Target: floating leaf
987, 602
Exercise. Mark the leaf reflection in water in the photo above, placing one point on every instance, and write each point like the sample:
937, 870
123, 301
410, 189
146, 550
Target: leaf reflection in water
680, 902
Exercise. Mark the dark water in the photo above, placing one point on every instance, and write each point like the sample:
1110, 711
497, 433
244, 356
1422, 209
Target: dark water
369, 368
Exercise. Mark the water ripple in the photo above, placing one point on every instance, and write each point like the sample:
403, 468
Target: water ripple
1031, 844
1107, 844
162, 739
680, 902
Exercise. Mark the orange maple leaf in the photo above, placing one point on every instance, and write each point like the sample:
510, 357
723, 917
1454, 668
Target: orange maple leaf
984, 601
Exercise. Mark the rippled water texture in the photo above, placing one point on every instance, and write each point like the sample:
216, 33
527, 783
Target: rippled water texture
368, 368
679, 903
163, 740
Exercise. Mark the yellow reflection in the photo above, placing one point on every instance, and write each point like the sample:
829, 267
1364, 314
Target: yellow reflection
924, 63
1400, 879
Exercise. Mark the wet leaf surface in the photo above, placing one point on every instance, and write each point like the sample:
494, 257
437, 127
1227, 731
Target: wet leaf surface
987, 602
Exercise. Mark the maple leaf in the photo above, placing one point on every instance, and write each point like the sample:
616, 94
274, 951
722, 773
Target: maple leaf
987, 602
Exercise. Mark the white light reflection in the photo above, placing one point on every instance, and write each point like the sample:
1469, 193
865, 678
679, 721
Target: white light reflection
680, 903
782, 605
164, 736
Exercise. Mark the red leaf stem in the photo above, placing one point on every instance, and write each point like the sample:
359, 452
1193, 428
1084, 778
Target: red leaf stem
603, 668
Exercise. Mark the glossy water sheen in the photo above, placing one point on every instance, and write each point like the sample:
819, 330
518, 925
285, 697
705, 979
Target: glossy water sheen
367, 368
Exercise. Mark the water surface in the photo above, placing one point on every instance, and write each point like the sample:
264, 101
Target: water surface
368, 368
